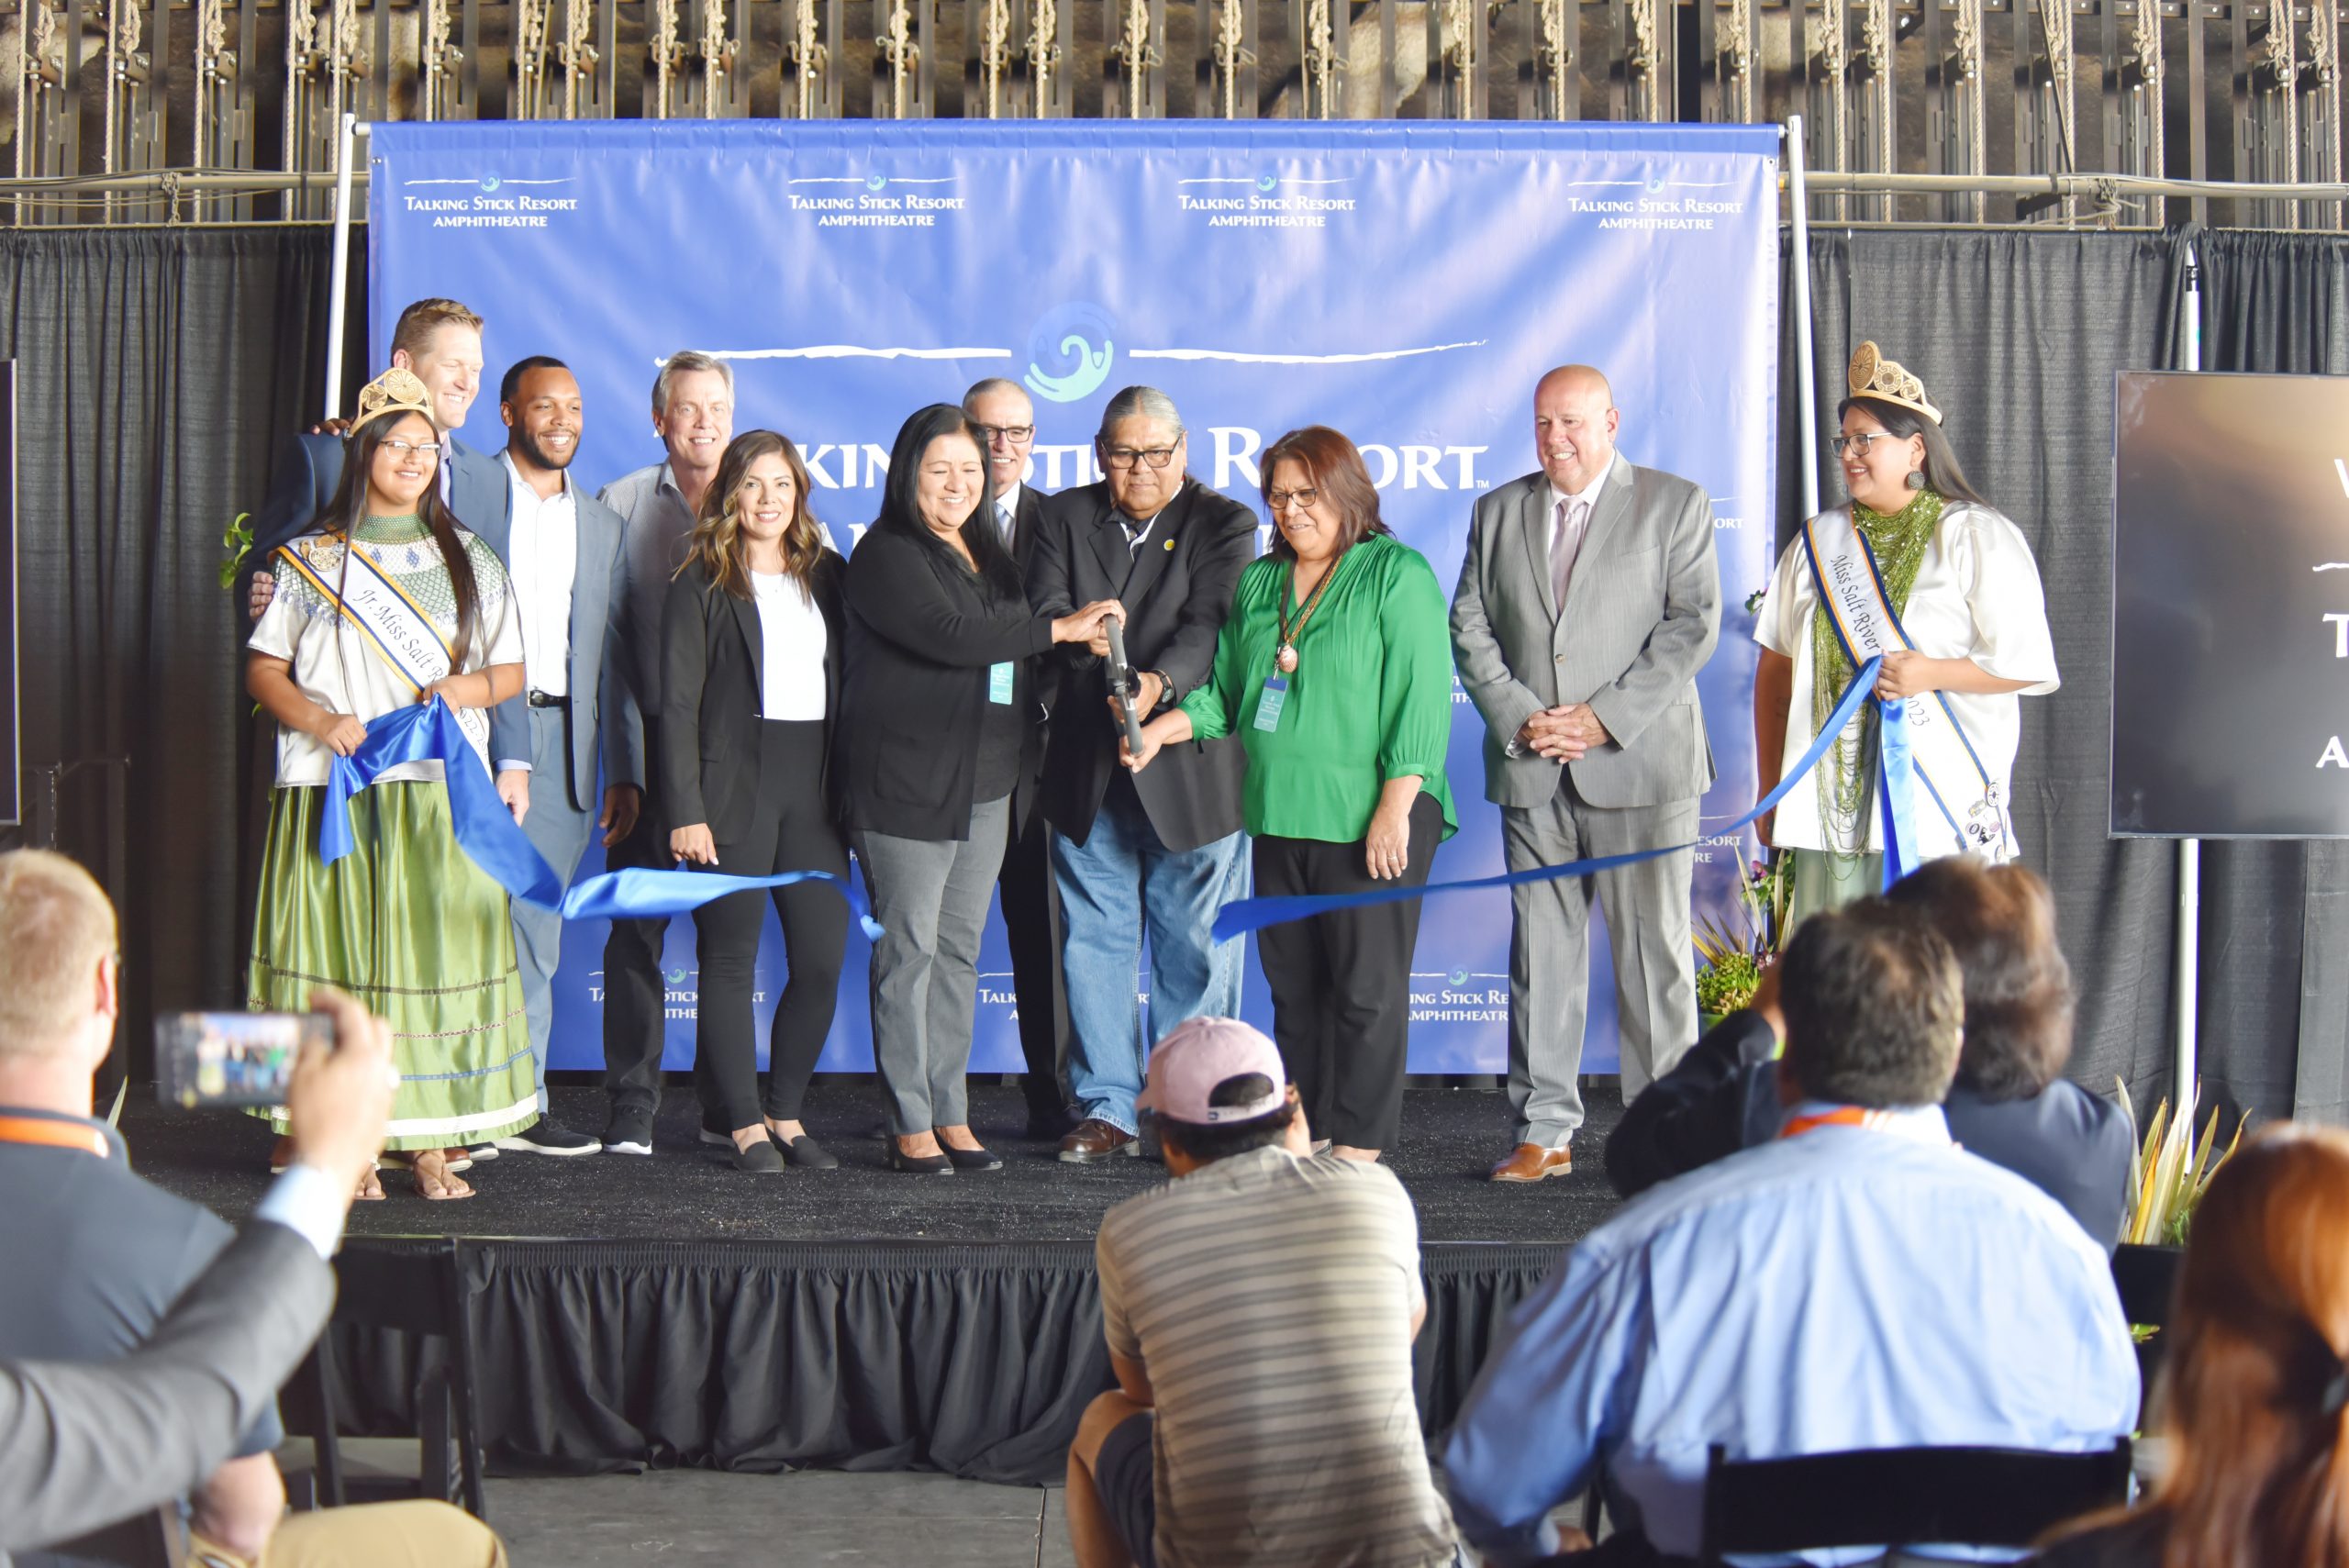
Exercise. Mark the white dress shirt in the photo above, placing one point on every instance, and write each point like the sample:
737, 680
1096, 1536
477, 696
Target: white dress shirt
790, 629
542, 551
1589, 495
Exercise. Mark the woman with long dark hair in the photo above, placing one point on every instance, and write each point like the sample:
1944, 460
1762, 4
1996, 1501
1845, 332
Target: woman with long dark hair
1942, 583
390, 603
938, 724
1335, 670
2257, 1404
752, 649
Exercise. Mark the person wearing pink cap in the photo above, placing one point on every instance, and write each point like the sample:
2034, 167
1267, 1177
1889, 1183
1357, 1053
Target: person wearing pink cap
1259, 1308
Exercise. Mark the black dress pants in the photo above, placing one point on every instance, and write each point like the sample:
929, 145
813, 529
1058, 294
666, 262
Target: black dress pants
792, 829
636, 994
1342, 982
1031, 918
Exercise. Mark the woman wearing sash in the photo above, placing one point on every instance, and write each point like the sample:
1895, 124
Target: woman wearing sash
1943, 585
391, 604
751, 647
1334, 668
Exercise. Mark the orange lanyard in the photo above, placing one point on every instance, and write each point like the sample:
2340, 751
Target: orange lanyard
53, 1134
1843, 1115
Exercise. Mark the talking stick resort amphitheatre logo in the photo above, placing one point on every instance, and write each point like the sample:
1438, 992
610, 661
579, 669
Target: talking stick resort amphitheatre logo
874, 201
1264, 200
486, 201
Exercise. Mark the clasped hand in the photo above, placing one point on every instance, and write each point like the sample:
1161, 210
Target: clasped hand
1907, 673
1563, 733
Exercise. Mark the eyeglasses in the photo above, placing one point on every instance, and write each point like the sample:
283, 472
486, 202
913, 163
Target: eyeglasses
1018, 435
399, 447
1300, 499
1865, 440
1123, 458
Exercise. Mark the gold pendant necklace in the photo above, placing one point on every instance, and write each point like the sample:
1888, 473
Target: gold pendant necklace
1284, 655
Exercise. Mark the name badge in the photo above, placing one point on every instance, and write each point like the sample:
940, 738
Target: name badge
999, 684
1269, 705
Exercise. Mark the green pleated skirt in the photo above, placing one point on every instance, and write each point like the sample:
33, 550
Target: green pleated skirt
1826, 880
410, 926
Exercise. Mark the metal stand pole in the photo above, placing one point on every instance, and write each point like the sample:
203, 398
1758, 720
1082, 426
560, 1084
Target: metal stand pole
1806, 377
2186, 985
339, 292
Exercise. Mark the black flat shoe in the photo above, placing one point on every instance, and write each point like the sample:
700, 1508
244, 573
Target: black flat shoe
761, 1158
804, 1153
972, 1159
919, 1165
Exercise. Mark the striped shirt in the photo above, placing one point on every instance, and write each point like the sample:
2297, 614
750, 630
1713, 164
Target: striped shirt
1269, 1299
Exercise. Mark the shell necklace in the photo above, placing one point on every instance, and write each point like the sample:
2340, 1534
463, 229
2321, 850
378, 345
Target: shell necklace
1285, 654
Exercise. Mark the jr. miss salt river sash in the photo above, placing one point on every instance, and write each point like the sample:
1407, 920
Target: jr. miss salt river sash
1959, 808
390, 624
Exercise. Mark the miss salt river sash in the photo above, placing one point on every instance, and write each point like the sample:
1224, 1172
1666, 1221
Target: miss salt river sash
1963, 809
390, 624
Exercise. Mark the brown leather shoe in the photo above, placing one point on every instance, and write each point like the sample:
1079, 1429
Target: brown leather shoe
1531, 1163
1097, 1139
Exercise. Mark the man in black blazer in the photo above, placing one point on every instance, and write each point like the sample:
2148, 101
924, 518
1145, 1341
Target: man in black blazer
1032, 909
1163, 851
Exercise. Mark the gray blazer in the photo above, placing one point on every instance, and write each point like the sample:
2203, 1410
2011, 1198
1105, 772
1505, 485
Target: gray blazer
83, 1447
1642, 612
603, 704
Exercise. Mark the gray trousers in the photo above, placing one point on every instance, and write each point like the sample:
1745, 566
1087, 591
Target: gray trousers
560, 830
931, 896
1549, 951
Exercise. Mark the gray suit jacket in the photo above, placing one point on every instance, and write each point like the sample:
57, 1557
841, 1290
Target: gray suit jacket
83, 1447
1642, 612
602, 702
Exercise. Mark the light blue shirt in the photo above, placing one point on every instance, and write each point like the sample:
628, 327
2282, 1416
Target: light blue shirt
1851, 1287
305, 1201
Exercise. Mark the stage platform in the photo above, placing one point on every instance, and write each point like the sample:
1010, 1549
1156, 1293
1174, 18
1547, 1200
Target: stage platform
671, 1311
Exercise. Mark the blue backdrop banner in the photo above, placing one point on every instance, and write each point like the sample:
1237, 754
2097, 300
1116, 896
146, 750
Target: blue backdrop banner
1405, 282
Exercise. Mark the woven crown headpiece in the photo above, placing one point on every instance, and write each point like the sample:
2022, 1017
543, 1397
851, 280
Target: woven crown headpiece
1884, 380
397, 391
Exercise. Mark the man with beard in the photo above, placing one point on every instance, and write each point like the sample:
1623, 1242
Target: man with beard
563, 550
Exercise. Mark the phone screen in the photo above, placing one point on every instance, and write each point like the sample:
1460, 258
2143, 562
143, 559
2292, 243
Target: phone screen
232, 1059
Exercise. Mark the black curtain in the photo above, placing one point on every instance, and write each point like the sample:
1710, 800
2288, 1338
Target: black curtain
157, 370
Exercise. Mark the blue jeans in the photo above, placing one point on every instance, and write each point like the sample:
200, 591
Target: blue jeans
1118, 882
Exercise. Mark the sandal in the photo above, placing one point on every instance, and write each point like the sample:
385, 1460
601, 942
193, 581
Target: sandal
445, 1178
371, 1188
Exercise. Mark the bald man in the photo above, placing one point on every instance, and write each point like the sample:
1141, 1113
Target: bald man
1588, 602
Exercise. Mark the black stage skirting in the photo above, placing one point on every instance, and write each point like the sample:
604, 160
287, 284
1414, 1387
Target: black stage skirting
852, 1319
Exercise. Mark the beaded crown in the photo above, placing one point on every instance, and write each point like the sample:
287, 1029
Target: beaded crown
1887, 381
397, 391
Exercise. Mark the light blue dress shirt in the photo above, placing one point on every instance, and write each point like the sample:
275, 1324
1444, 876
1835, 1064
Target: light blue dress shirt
305, 1201
1850, 1287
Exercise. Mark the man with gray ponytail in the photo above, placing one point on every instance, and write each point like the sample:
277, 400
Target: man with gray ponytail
1157, 852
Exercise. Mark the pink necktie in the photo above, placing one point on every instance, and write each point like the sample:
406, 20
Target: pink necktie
1564, 543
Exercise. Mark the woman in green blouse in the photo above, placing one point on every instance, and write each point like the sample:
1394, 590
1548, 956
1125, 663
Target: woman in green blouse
1335, 670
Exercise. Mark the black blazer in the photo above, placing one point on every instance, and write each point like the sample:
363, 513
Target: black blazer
921, 633
1723, 1097
1177, 591
713, 665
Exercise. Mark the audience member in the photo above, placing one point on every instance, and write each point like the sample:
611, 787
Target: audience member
2258, 1471
116, 1253
693, 413
1859, 1282
2009, 1104
1259, 1308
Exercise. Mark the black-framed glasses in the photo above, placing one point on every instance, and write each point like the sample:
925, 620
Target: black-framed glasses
1865, 440
1123, 458
1300, 498
1018, 435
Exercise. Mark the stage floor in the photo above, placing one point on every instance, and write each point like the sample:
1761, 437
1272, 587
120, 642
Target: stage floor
1450, 1138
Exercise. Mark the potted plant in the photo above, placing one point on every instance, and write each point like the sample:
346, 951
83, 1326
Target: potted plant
1732, 952
2169, 1170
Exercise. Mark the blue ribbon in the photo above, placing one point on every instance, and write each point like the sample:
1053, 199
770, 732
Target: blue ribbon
1896, 792
640, 895
1244, 915
485, 830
